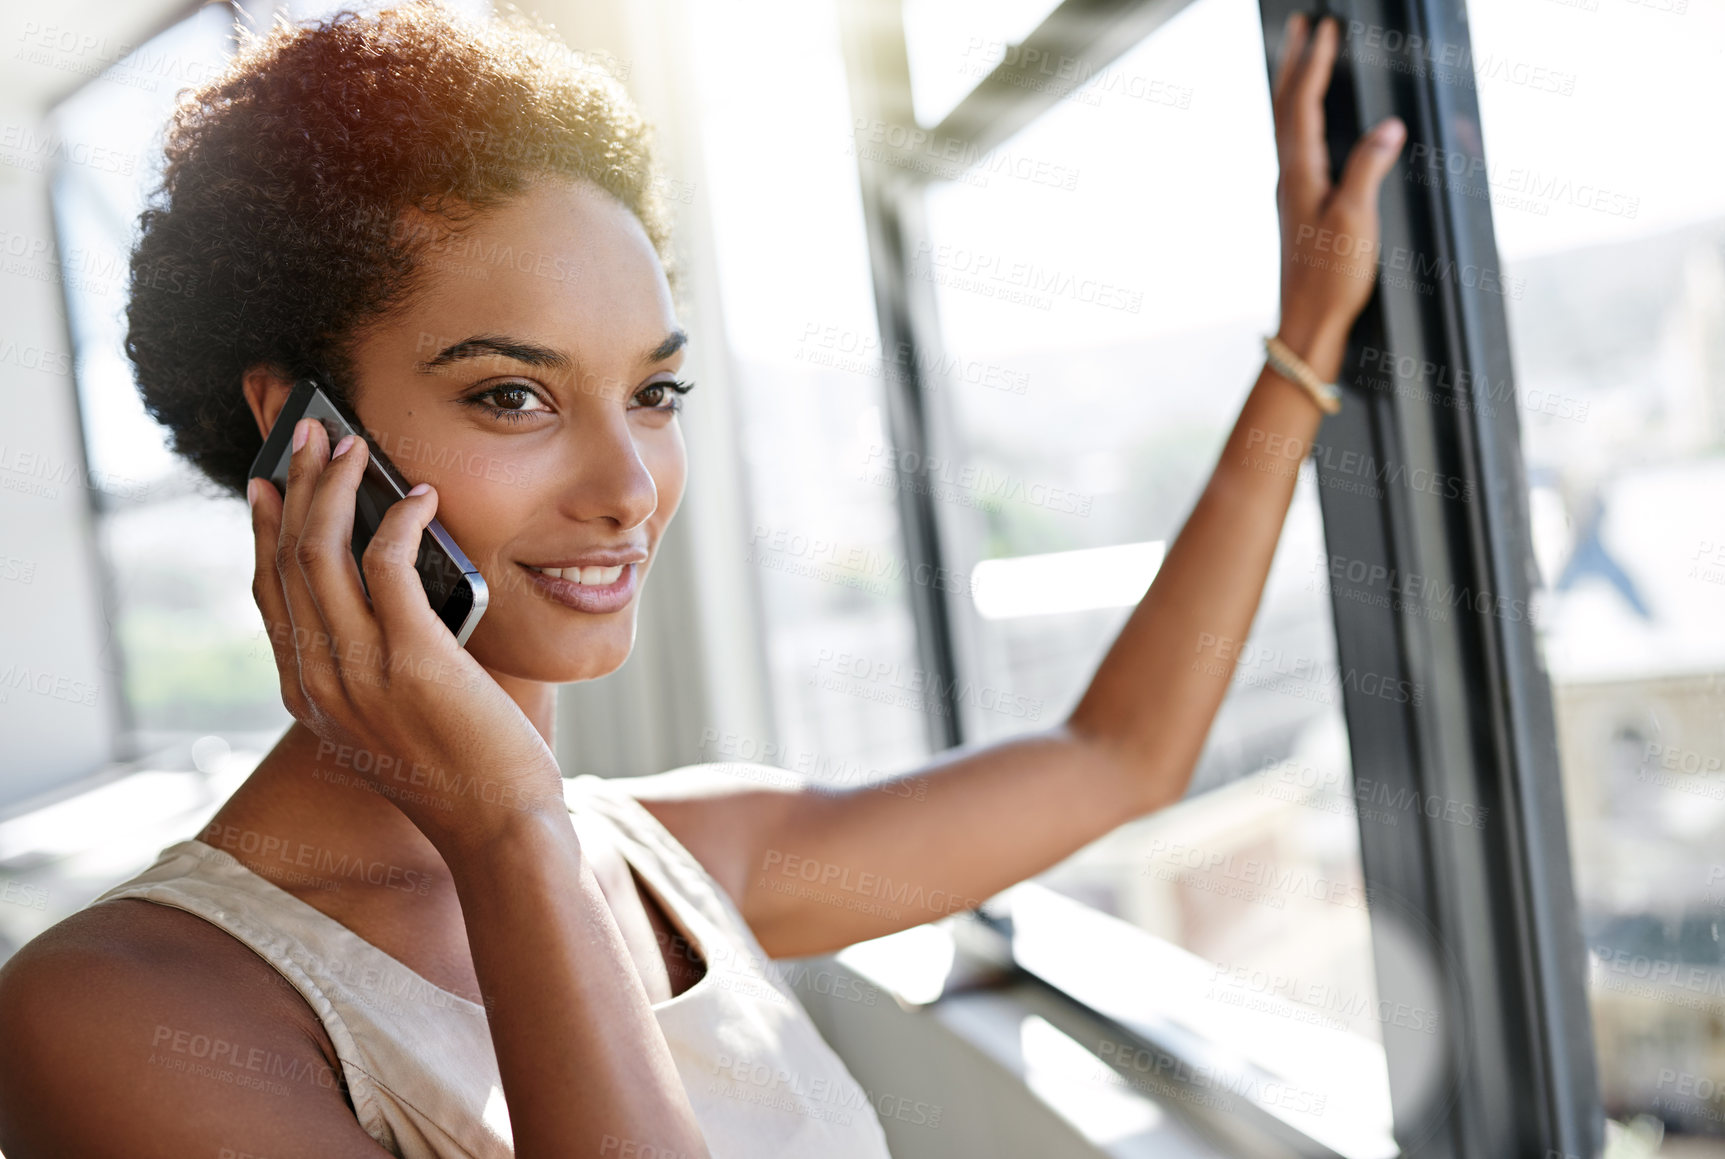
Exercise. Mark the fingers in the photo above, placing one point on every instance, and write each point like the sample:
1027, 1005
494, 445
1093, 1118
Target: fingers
1299, 112
1313, 79
325, 545
266, 507
397, 593
1369, 162
311, 637
1294, 38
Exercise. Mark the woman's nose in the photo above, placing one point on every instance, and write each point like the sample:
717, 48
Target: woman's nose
609, 478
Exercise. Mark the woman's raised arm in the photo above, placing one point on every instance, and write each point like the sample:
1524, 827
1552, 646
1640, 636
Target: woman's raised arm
980, 818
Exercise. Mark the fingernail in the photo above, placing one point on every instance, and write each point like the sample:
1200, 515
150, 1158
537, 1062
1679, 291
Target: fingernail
1391, 132
251, 492
420, 488
301, 432
341, 448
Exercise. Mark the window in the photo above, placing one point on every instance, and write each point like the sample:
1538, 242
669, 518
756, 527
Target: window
181, 624
1099, 328
1613, 232
823, 540
1119, 156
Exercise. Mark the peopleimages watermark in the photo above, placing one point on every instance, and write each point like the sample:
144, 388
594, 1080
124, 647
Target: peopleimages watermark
951, 158
17, 677
776, 765
121, 62
429, 784
1691, 985
1285, 455
16, 570
970, 484
1670, 766
1447, 61
364, 661
40, 474
1378, 585
1308, 677
1396, 266
1024, 283
301, 863
1370, 799
1702, 1095
1323, 1003
866, 891
769, 1083
1067, 77
908, 686
95, 270
859, 352
23, 147
1425, 381
1707, 561
1514, 187
235, 1063
851, 565
22, 893
1226, 873
1159, 1072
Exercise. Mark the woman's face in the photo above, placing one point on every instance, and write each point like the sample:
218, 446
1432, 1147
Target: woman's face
528, 381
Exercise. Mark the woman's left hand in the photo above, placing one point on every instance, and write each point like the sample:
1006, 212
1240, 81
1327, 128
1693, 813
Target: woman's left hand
1329, 230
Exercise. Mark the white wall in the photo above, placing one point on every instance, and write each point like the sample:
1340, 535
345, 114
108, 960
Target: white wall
58, 670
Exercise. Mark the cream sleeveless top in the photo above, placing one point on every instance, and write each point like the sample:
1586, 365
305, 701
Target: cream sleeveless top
418, 1060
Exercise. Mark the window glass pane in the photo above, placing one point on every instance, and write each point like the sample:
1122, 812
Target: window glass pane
180, 561
953, 44
1101, 311
799, 316
1610, 221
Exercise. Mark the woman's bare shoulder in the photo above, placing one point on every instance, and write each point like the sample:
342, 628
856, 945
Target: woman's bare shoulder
131, 950
175, 1030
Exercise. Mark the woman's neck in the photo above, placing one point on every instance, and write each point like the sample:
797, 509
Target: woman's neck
325, 795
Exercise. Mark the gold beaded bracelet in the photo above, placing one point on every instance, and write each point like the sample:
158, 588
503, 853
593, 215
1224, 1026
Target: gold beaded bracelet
1292, 367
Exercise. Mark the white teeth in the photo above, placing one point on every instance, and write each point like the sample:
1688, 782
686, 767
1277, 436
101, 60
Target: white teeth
587, 576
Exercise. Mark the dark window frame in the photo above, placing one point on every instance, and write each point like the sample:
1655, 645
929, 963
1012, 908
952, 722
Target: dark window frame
1499, 899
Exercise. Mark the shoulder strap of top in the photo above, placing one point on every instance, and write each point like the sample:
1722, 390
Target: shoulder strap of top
655, 847
383, 1019
211, 884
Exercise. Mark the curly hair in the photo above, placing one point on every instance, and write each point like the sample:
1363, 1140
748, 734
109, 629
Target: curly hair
292, 210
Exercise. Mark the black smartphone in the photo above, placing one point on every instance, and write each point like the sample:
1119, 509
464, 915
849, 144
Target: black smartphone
453, 585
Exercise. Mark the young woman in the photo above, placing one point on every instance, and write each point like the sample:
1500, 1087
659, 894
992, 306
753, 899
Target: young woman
406, 934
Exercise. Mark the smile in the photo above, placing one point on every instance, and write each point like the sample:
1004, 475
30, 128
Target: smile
592, 577
595, 590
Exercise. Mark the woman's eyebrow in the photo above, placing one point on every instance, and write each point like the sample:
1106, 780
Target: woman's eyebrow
484, 345
534, 354
674, 341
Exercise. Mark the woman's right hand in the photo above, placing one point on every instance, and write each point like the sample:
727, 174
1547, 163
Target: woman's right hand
384, 677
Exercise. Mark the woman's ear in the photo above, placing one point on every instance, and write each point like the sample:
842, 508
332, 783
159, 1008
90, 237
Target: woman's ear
266, 393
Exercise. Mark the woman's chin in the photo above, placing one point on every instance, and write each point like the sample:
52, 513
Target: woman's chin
552, 657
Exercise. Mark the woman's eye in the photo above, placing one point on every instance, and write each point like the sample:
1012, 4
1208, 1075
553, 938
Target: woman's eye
509, 401
665, 396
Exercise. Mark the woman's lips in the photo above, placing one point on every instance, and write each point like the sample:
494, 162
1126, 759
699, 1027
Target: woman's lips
595, 598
